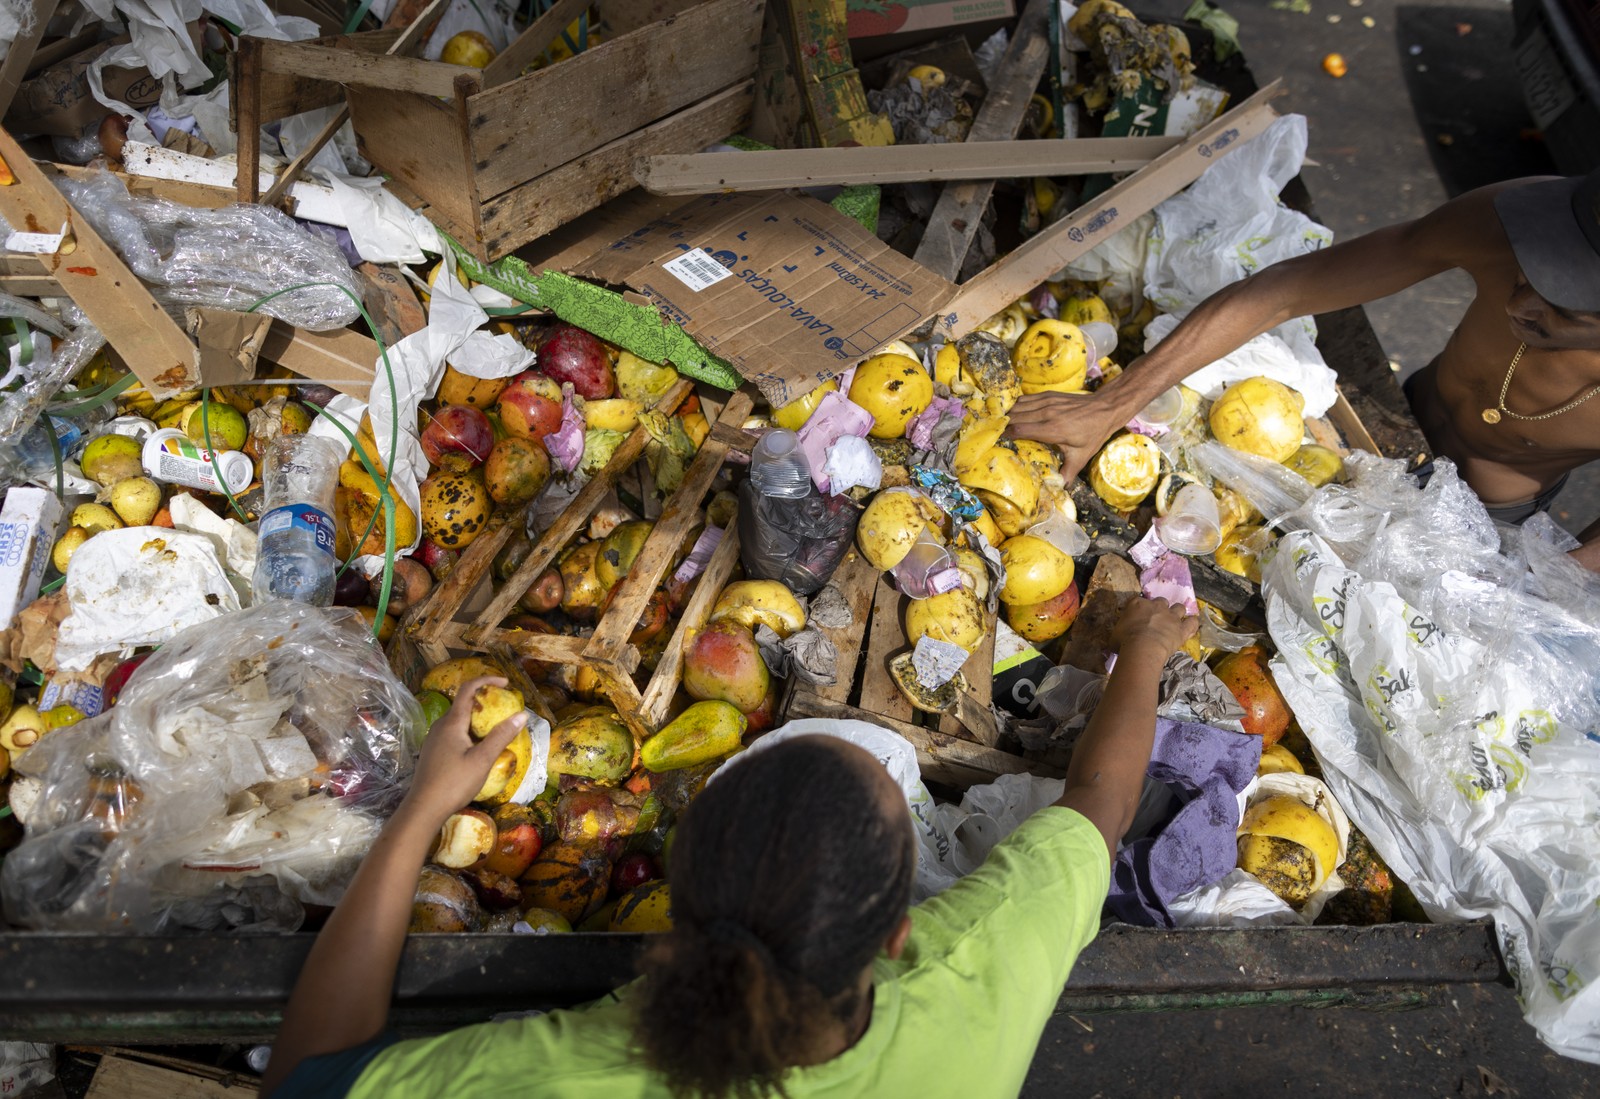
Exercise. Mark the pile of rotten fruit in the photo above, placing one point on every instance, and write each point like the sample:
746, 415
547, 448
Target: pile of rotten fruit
588, 852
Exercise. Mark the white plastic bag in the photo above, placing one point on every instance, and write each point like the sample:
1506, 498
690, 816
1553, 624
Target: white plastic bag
1228, 225
1452, 713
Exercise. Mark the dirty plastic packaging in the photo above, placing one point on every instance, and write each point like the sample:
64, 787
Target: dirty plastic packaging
234, 257
243, 773
789, 531
295, 558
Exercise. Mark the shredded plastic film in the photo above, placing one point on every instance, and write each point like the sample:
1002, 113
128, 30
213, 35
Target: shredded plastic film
231, 257
243, 773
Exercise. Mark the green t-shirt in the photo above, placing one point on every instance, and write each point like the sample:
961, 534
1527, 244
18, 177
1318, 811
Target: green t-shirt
959, 1013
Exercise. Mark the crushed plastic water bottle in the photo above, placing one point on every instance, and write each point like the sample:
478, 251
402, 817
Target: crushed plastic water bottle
295, 558
788, 530
778, 468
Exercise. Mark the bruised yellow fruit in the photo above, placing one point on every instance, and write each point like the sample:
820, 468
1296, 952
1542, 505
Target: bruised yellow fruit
491, 706
1081, 309
1007, 326
22, 729
978, 437
1126, 470
95, 518
642, 380
760, 602
1008, 518
705, 731
891, 524
987, 373
613, 414
136, 500
793, 416
929, 76
216, 426
893, 389
1241, 550
1035, 570
947, 366
469, 48
1288, 846
446, 678
111, 458
1042, 457
1317, 464
1277, 760
1007, 475
66, 546
455, 508
986, 526
645, 909
1259, 416
1051, 356
955, 616
510, 767
974, 572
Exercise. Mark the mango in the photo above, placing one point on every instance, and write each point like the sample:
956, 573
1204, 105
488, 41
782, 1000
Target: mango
95, 518
723, 663
595, 745
618, 551
581, 589
447, 678
1266, 713
516, 471
111, 458
491, 706
705, 731
455, 508
1047, 619
136, 500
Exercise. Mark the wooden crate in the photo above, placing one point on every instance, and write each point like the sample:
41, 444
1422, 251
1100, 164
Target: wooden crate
441, 626
502, 158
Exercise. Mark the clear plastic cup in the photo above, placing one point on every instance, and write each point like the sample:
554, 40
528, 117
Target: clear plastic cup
779, 467
925, 570
1101, 338
1164, 410
1192, 524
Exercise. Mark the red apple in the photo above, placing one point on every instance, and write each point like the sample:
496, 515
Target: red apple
515, 847
436, 559
544, 594
118, 679
570, 354
530, 407
633, 871
458, 437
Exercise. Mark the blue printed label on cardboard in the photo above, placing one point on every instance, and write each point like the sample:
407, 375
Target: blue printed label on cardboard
304, 517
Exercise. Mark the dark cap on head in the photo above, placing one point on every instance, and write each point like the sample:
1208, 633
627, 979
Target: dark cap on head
1554, 226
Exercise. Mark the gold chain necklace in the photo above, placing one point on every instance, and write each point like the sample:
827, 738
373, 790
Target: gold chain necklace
1492, 415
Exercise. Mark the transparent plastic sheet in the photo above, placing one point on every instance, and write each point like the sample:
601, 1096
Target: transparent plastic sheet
21, 408
1272, 487
1454, 709
230, 258
245, 770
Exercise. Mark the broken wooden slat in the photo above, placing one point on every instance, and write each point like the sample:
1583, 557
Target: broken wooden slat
708, 173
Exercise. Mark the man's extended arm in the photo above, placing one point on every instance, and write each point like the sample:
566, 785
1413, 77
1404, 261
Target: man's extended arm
1361, 270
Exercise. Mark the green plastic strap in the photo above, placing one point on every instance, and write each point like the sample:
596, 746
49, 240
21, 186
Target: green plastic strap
360, 14
640, 329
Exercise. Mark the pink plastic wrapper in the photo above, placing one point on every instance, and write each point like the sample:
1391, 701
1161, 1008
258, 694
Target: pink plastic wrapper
1164, 574
565, 443
920, 429
700, 556
835, 417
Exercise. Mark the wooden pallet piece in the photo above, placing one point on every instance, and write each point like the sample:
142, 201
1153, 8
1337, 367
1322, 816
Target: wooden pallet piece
1045, 253
955, 217
886, 637
121, 1078
857, 581
972, 717
664, 681
432, 624
680, 513
93, 275
774, 170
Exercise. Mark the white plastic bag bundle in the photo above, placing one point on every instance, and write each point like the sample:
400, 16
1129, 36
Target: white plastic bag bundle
1453, 714
1227, 226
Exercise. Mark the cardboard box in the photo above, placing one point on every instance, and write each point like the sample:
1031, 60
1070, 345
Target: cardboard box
877, 18
28, 523
786, 288
58, 101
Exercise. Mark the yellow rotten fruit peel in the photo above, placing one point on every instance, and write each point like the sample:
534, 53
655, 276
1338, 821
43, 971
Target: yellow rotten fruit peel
1035, 570
1081, 309
1279, 760
760, 602
1259, 416
1126, 470
1007, 519
955, 616
1241, 550
1316, 464
642, 380
1007, 475
1007, 326
893, 389
508, 771
1288, 846
793, 416
612, 414
891, 524
1051, 354
947, 366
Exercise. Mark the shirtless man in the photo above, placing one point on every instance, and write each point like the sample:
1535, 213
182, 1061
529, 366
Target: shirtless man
1509, 398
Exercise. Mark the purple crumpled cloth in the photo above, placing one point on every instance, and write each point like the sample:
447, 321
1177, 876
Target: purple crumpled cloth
1206, 768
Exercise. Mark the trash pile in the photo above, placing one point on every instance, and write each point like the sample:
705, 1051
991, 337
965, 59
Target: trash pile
231, 605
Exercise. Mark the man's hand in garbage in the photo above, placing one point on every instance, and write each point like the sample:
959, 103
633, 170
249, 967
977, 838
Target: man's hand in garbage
452, 766
1077, 424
